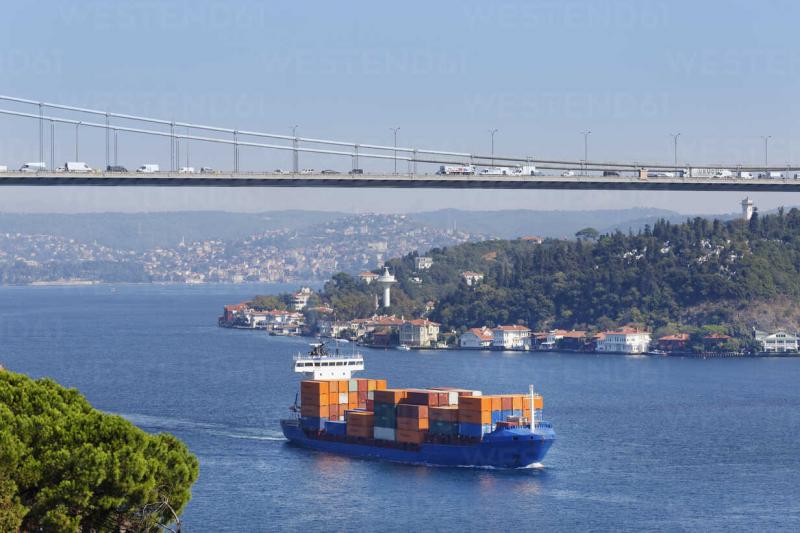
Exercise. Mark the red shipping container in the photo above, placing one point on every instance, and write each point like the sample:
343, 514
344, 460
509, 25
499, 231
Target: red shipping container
394, 396
315, 411
370, 405
412, 411
446, 414
410, 436
507, 403
314, 386
362, 397
362, 384
422, 397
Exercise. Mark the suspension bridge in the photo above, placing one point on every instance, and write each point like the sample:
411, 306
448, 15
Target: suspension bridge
408, 163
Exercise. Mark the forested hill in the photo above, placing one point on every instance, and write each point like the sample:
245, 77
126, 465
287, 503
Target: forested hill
699, 272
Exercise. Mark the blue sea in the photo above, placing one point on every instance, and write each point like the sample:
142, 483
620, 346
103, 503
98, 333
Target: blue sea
654, 444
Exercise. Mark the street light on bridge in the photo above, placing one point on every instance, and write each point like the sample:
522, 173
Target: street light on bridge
586, 147
77, 139
295, 156
675, 146
492, 132
766, 139
395, 130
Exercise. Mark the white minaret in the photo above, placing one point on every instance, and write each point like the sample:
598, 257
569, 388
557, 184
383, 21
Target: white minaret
747, 209
387, 280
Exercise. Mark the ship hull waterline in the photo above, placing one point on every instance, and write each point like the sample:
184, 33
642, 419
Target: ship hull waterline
507, 449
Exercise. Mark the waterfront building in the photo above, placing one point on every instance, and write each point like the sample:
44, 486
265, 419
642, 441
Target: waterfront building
625, 340
673, 343
777, 342
419, 333
514, 337
476, 339
423, 263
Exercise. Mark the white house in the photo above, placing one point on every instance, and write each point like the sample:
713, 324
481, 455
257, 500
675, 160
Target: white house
423, 263
513, 337
476, 339
368, 277
300, 298
625, 340
472, 278
780, 341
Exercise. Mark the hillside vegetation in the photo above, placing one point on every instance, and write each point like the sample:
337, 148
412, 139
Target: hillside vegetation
698, 272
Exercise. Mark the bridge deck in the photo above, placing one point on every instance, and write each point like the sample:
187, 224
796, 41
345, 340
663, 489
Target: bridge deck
168, 179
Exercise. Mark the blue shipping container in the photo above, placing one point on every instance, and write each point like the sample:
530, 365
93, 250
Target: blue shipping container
334, 427
473, 430
312, 422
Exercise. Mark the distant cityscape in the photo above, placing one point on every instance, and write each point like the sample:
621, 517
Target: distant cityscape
346, 244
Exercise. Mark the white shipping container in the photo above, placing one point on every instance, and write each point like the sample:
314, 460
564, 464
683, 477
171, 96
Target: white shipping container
3, 168
371, 395
342, 397
380, 433
353, 386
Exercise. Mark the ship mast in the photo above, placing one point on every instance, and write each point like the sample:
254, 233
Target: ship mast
533, 409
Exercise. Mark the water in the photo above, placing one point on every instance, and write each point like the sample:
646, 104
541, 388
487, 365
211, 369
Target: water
644, 443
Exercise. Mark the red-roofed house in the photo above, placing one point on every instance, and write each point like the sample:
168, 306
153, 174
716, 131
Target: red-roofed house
368, 277
673, 343
419, 333
476, 339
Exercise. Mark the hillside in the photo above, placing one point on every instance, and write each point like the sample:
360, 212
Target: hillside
697, 272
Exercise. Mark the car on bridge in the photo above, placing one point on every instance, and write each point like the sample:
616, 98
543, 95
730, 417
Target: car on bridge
148, 169
356, 171
116, 168
186, 170
329, 171
206, 170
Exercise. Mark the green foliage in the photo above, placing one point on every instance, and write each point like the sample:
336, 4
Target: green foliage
587, 233
266, 302
65, 466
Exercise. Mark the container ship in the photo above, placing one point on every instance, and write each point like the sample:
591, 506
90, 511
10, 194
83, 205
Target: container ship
440, 426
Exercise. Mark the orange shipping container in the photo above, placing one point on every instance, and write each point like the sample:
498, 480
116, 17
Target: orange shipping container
316, 411
321, 399
410, 436
333, 386
497, 403
475, 403
370, 384
516, 402
314, 386
475, 417
344, 385
412, 423
537, 398
380, 384
359, 431
352, 397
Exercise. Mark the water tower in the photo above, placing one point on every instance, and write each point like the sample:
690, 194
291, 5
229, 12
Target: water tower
747, 209
386, 281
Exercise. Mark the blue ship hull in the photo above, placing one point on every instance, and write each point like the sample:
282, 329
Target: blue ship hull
505, 448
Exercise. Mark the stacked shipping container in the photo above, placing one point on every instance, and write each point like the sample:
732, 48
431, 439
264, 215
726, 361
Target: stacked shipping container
408, 415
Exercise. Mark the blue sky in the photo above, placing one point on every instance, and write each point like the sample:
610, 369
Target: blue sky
721, 73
